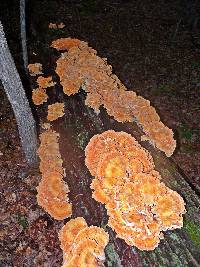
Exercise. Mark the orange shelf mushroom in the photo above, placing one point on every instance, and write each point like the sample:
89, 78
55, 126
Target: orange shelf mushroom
52, 190
65, 43
82, 246
55, 111
138, 203
81, 67
111, 141
35, 69
39, 96
45, 82
54, 26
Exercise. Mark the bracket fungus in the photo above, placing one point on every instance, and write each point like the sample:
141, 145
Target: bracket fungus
39, 96
138, 203
64, 44
82, 246
55, 111
55, 26
45, 82
35, 69
52, 190
81, 67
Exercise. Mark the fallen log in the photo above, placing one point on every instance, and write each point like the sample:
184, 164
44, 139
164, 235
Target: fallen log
179, 247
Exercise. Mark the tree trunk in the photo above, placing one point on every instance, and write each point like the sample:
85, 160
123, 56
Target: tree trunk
23, 33
14, 89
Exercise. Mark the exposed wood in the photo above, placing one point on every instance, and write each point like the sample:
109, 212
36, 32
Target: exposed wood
15, 92
179, 247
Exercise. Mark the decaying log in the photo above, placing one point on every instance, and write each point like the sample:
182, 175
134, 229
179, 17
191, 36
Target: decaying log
179, 248
15, 92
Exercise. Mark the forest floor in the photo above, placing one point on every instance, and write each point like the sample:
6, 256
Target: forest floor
151, 56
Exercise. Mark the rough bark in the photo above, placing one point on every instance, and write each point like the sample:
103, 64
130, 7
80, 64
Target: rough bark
15, 92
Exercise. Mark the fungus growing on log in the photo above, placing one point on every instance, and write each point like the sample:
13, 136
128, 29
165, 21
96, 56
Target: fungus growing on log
45, 82
55, 111
35, 69
111, 141
81, 67
52, 190
63, 44
138, 203
55, 26
39, 96
82, 245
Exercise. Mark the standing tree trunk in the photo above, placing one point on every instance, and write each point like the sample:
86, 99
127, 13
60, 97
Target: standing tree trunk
15, 92
23, 33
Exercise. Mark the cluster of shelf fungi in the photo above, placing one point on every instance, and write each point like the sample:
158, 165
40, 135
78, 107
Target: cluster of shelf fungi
139, 205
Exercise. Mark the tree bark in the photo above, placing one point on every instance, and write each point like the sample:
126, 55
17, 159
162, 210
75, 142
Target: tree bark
15, 92
23, 33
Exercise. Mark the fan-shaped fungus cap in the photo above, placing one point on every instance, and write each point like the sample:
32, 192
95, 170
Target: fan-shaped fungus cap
48, 151
93, 233
45, 82
169, 209
85, 259
52, 190
51, 165
35, 69
69, 77
111, 141
39, 96
139, 205
82, 245
63, 44
49, 147
58, 209
54, 26
69, 232
85, 247
55, 111
140, 235
53, 186
161, 136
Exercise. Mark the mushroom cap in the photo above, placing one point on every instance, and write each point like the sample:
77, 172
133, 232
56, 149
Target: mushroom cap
39, 96
82, 245
138, 204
